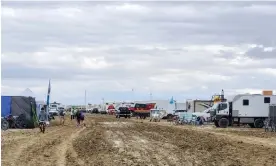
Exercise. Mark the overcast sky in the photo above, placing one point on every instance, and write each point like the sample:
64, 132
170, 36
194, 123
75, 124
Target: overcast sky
181, 49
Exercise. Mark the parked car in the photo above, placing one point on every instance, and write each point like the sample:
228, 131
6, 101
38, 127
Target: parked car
95, 111
53, 112
123, 112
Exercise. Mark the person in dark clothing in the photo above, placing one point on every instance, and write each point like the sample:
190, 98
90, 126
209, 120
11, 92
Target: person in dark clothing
72, 113
61, 116
80, 117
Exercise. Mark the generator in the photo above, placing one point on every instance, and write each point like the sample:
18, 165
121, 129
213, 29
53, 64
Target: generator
270, 122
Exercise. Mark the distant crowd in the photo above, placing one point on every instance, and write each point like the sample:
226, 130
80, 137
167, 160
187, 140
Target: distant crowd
75, 113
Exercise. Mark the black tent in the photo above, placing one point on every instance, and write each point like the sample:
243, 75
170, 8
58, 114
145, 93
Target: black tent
22, 105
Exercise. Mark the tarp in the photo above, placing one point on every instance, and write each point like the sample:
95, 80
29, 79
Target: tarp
5, 105
24, 105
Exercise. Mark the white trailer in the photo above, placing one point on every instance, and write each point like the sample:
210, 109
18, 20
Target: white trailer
165, 105
180, 106
198, 105
251, 109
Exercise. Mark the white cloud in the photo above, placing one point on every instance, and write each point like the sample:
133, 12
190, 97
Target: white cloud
185, 49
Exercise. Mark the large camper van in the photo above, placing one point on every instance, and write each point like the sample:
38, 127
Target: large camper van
251, 109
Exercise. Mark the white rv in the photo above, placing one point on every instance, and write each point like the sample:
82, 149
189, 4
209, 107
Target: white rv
251, 109
198, 105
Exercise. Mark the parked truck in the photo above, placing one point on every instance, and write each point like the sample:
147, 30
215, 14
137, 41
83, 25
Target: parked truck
251, 109
206, 114
123, 112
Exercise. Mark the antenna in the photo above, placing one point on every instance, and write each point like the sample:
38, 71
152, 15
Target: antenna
85, 99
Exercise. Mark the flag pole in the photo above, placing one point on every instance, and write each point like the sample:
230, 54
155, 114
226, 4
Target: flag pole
48, 99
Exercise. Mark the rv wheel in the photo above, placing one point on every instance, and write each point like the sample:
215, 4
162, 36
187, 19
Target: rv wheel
259, 123
223, 122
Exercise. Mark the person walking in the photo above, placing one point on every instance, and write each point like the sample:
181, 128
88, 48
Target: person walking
42, 117
77, 116
82, 118
61, 116
72, 113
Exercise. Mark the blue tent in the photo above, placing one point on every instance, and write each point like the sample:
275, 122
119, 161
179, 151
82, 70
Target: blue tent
18, 105
5, 105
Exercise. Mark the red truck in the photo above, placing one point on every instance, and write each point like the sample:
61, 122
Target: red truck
142, 109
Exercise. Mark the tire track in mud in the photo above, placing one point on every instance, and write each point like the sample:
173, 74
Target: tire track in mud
268, 140
66, 145
210, 148
256, 137
92, 148
41, 151
16, 147
107, 141
141, 149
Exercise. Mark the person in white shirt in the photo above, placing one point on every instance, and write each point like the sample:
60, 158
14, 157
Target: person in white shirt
72, 113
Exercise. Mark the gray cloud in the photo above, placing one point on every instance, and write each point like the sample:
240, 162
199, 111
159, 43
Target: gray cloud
185, 49
262, 53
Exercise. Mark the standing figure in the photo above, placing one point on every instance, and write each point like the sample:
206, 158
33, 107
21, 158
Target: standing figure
72, 113
61, 116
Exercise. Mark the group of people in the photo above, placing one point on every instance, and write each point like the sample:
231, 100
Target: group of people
79, 115
75, 114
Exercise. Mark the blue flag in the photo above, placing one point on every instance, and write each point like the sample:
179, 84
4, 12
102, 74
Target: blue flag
171, 101
48, 94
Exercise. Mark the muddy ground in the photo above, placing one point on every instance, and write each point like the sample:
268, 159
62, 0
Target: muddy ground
108, 141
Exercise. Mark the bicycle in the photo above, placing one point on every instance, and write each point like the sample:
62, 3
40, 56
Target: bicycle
42, 126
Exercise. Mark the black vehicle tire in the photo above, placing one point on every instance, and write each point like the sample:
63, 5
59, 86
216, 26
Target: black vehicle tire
223, 122
216, 123
259, 123
4, 124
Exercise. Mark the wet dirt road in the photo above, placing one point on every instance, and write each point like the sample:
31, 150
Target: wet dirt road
108, 141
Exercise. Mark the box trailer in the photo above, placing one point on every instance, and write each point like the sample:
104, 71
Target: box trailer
251, 109
198, 105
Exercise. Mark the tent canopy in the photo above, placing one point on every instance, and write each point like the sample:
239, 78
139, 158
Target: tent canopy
17, 105
5, 105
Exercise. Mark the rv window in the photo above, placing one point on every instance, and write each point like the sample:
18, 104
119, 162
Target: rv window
245, 102
267, 100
